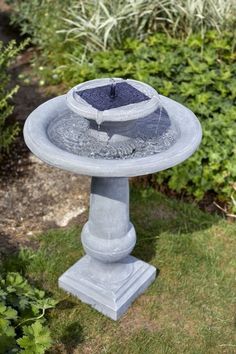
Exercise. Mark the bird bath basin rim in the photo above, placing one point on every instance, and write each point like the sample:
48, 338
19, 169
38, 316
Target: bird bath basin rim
36, 137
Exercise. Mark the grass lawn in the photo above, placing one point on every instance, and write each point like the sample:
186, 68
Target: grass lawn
188, 309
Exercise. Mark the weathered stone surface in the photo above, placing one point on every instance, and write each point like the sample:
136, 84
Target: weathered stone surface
112, 298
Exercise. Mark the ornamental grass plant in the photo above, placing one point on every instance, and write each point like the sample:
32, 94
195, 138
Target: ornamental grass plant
103, 24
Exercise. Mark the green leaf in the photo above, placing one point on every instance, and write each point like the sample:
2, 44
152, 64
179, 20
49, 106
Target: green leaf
26, 303
7, 312
36, 339
7, 334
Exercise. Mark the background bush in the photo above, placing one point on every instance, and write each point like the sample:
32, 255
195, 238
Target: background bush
7, 132
41, 20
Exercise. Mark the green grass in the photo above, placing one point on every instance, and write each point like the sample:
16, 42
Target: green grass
188, 309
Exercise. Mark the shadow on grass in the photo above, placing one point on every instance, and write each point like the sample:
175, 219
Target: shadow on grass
153, 214
72, 336
73, 333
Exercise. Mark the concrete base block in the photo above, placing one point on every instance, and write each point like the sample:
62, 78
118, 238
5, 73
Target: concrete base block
113, 297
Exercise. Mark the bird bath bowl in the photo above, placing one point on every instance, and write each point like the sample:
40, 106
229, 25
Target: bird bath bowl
111, 129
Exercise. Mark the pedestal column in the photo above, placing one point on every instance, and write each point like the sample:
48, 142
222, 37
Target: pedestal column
108, 236
108, 278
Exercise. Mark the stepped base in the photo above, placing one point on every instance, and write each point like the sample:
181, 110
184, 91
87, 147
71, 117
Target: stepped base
111, 298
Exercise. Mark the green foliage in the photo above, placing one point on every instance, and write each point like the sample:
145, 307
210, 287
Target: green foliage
38, 19
36, 339
7, 132
22, 316
41, 20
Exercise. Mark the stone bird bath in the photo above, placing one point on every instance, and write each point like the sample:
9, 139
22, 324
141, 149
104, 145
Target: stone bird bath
111, 129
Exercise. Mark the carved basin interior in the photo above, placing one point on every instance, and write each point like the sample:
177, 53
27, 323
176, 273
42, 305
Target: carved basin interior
110, 139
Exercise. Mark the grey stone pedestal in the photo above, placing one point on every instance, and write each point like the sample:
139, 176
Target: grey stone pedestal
108, 278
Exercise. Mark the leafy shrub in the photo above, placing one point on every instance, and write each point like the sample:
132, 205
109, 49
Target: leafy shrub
7, 132
22, 316
201, 75
41, 20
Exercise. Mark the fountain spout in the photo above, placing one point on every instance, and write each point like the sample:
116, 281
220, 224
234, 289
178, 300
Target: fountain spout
113, 89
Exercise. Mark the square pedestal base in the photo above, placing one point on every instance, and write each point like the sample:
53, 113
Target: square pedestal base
112, 299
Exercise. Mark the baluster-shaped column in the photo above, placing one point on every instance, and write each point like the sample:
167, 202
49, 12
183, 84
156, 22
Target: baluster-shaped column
108, 278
